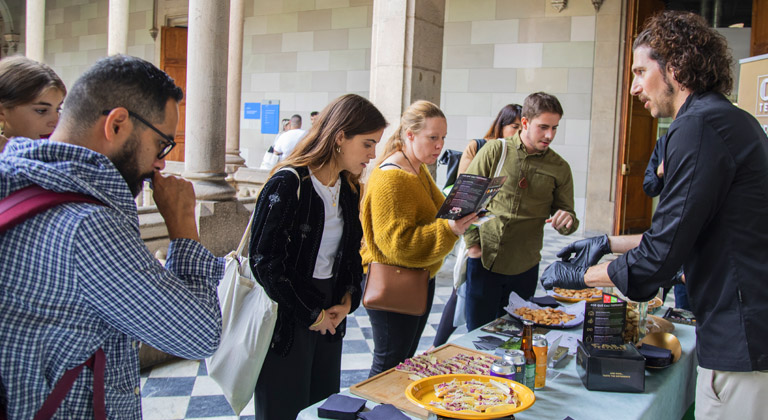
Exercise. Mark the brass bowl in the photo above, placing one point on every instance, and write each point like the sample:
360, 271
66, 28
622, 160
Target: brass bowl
666, 341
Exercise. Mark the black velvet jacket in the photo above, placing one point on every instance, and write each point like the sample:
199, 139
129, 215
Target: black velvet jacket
285, 239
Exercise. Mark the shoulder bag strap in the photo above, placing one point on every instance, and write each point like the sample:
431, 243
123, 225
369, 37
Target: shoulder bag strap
27, 202
502, 158
247, 233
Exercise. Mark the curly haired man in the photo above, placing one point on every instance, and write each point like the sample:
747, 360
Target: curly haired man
710, 217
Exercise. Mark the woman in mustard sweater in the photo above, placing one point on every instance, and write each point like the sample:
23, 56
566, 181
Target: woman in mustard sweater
399, 224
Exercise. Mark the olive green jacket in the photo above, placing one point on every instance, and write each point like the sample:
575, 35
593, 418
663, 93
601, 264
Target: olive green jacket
512, 241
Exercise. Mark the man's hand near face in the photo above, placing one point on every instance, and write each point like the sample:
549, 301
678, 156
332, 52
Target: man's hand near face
175, 199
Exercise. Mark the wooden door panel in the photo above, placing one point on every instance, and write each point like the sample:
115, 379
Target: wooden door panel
637, 136
173, 60
759, 43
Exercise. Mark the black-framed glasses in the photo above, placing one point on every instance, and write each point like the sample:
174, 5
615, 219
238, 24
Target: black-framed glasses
168, 142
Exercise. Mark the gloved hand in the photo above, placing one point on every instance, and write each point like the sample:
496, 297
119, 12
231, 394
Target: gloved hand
588, 251
564, 275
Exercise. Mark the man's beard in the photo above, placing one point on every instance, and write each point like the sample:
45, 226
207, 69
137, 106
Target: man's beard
126, 162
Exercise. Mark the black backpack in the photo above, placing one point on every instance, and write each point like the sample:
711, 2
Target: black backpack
451, 159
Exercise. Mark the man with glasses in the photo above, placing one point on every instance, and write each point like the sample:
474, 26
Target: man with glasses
77, 280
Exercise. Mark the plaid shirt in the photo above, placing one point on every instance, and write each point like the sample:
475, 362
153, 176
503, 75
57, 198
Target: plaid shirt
78, 277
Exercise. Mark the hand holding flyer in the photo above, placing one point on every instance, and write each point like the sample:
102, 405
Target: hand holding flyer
470, 194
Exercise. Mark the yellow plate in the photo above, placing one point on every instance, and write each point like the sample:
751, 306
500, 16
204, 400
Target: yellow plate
422, 392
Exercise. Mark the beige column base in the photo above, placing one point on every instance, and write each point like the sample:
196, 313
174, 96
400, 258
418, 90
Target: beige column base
211, 186
221, 224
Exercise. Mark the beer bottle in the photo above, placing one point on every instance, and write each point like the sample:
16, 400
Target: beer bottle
530, 357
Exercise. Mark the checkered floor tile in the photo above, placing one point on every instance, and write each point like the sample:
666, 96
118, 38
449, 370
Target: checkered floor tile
183, 390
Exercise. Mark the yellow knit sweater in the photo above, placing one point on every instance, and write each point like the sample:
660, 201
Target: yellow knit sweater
399, 224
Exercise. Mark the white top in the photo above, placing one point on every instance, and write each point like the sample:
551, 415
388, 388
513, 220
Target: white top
334, 227
287, 141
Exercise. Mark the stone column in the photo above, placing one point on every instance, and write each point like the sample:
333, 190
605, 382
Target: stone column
35, 30
207, 45
406, 55
117, 27
234, 84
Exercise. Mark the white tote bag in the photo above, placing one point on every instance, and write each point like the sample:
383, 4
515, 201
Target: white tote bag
269, 160
248, 319
460, 268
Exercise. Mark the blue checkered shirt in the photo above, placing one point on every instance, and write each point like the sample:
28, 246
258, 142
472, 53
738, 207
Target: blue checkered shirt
78, 277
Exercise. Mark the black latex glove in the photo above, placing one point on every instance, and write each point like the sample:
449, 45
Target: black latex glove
588, 251
564, 275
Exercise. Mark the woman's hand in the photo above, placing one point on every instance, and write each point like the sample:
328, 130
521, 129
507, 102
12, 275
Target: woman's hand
460, 226
323, 324
340, 311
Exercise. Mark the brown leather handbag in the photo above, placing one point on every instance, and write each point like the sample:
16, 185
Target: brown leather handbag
396, 289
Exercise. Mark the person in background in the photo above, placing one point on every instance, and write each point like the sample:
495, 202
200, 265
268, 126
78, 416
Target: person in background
305, 251
313, 117
653, 183
287, 141
399, 224
30, 99
504, 126
78, 278
504, 253
285, 125
710, 217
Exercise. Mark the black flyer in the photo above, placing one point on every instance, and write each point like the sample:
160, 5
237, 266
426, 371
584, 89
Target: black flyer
470, 194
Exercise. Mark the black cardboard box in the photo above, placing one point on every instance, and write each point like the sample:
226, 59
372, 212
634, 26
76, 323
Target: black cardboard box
611, 367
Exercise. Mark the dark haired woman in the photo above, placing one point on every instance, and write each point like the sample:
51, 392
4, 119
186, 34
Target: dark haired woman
304, 250
30, 99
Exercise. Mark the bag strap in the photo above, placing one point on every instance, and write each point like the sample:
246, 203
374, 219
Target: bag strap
502, 159
15, 209
97, 363
247, 233
27, 202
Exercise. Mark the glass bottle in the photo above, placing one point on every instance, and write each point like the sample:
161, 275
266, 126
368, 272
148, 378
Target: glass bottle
530, 357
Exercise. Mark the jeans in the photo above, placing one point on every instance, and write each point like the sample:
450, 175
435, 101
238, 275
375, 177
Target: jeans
396, 336
488, 292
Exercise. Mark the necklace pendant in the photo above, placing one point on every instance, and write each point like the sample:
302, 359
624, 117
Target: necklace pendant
523, 183
333, 204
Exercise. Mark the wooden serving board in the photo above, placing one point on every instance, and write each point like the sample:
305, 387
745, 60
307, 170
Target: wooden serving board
388, 387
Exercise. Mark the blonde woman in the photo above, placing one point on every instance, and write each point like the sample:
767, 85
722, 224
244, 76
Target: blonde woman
399, 224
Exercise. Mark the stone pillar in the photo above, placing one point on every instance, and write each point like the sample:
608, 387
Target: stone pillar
207, 45
406, 55
35, 30
117, 27
234, 84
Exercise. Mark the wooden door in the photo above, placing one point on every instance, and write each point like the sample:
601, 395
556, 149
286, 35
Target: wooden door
759, 44
637, 136
173, 60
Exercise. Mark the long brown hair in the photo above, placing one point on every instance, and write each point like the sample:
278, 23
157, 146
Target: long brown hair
22, 80
413, 119
508, 115
348, 116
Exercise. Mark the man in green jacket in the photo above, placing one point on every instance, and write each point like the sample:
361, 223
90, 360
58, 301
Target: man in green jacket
504, 253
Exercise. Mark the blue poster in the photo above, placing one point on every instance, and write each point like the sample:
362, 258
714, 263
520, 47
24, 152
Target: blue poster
252, 111
270, 117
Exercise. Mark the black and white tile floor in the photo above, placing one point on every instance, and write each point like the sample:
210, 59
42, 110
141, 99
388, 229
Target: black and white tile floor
183, 390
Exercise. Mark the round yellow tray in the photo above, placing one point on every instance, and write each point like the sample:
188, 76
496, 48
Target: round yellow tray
422, 392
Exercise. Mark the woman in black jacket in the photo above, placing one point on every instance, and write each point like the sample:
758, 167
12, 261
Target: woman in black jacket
304, 251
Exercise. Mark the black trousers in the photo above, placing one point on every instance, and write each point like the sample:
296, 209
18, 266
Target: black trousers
396, 336
488, 292
309, 373
446, 328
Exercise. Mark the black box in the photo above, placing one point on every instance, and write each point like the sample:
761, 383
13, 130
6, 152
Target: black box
611, 367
